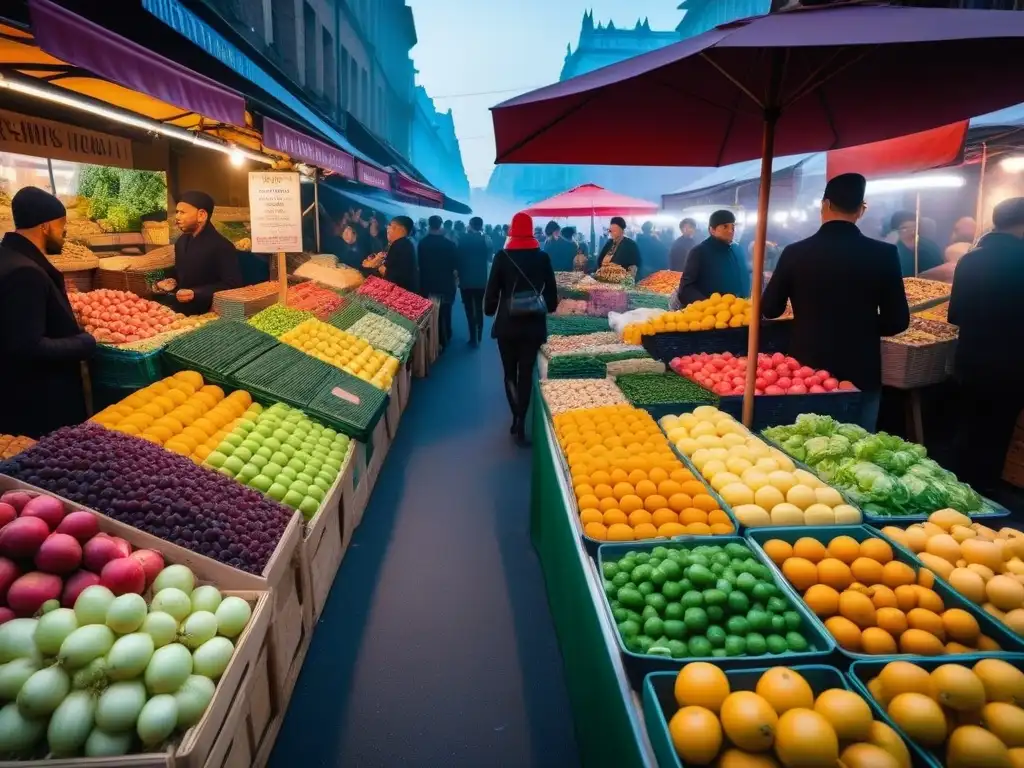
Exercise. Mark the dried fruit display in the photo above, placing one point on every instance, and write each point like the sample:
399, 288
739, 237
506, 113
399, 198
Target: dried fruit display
611, 273
565, 344
662, 281
570, 394
921, 291
939, 313
12, 445
923, 332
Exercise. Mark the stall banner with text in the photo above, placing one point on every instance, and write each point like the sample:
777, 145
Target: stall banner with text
26, 135
275, 205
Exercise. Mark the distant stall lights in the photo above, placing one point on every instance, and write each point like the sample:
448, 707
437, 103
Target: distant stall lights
915, 183
1012, 164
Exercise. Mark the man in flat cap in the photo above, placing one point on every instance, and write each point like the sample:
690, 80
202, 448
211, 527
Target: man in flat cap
715, 265
41, 343
204, 260
847, 292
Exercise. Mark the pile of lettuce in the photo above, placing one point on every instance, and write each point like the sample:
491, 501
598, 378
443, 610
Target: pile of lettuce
882, 474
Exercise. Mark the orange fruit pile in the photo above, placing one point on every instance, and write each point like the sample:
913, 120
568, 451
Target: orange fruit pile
629, 484
872, 603
973, 714
780, 722
179, 413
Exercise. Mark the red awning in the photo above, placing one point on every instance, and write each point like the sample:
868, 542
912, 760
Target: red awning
407, 185
591, 200
78, 41
924, 151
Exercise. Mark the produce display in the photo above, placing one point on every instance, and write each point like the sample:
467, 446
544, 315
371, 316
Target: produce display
283, 454
924, 332
628, 483
780, 721
611, 273
338, 277
392, 296
74, 257
222, 346
571, 307
156, 491
662, 281
871, 602
567, 279
652, 389
12, 445
350, 311
777, 374
705, 601
602, 302
646, 365
565, 325
645, 300
382, 334
278, 319
178, 413
984, 565
923, 291
310, 297
967, 715
347, 404
882, 474
759, 482
938, 313
240, 303
105, 650
286, 374
343, 350
575, 367
717, 311
563, 395
566, 344
115, 317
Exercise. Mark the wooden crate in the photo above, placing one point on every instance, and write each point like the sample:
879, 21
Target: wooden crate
404, 377
326, 540
367, 468
292, 615
394, 410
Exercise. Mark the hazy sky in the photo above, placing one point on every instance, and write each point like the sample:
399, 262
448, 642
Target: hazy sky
473, 54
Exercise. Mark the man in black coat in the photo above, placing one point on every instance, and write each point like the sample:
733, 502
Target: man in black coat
619, 249
400, 263
41, 343
653, 253
988, 306
846, 292
562, 252
473, 254
682, 245
204, 260
929, 256
716, 265
438, 264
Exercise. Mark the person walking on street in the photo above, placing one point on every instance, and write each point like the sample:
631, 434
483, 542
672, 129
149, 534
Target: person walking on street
521, 293
987, 305
472, 266
619, 249
42, 344
653, 253
561, 251
438, 261
716, 265
683, 245
846, 291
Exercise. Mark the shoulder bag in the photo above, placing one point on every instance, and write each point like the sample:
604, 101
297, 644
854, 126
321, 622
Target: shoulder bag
525, 303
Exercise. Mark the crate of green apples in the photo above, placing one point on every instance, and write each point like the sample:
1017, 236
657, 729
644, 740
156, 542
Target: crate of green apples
287, 456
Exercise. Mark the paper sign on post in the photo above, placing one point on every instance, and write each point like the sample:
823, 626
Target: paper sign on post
275, 207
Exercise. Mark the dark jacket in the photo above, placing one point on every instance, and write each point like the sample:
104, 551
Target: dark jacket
928, 257
515, 272
847, 292
653, 255
205, 263
713, 267
562, 252
988, 306
350, 255
401, 266
626, 255
680, 250
472, 260
41, 344
438, 261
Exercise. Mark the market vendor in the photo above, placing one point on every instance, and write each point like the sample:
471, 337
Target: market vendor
204, 260
904, 224
846, 291
619, 249
715, 265
987, 305
399, 262
41, 343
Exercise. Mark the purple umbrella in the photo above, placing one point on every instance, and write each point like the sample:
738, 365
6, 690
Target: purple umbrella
805, 80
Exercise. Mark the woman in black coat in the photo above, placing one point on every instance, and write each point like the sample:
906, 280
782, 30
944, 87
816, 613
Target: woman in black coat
521, 292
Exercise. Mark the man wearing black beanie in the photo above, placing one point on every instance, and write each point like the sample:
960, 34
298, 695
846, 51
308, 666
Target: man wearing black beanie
204, 260
715, 265
847, 292
41, 343
619, 249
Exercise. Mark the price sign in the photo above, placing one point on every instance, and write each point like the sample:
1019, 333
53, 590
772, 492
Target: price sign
275, 206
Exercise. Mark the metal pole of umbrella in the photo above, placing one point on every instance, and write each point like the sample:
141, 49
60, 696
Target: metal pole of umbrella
980, 208
917, 232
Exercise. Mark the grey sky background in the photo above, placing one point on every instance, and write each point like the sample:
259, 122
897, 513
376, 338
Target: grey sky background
473, 54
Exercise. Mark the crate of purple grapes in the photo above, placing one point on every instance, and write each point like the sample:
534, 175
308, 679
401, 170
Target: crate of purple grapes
600, 303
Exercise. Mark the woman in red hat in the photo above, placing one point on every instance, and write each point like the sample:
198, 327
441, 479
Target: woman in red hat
520, 293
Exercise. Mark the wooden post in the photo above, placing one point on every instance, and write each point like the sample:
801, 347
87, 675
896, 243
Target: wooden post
282, 278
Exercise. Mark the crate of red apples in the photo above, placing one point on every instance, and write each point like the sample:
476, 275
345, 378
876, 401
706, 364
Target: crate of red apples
393, 297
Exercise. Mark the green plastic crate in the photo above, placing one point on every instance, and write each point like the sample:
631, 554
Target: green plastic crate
356, 420
124, 368
221, 347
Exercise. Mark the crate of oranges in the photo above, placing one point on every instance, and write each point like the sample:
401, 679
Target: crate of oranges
875, 598
756, 718
629, 483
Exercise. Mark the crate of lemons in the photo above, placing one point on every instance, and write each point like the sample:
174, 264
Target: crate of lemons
343, 350
717, 312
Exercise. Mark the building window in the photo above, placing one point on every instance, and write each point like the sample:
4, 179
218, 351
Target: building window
364, 93
283, 25
345, 100
309, 42
382, 127
330, 69
353, 71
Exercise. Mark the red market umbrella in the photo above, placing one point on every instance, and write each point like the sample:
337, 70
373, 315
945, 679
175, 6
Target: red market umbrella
591, 200
805, 80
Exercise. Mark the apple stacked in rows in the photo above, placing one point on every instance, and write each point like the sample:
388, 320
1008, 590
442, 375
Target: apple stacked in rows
777, 374
283, 454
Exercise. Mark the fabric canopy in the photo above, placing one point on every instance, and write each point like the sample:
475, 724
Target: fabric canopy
591, 200
937, 148
302, 147
78, 41
406, 185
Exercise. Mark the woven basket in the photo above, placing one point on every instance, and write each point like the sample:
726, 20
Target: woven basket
82, 280
906, 366
139, 283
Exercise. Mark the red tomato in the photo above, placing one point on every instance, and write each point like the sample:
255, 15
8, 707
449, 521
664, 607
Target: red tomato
803, 371
760, 382
759, 391
797, 389
771, 377
846, 385
817, 389
824, 374
778, 358
772, 389
785, 382
830, 384
812, 381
